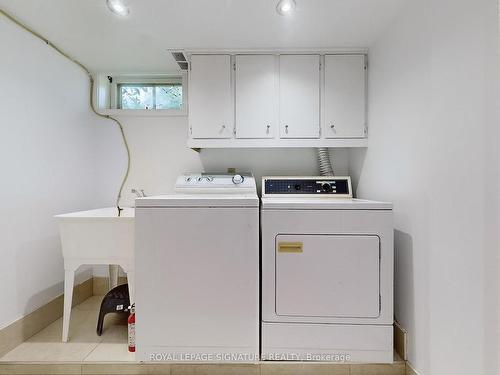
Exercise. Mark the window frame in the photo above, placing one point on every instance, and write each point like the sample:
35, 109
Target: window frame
107, 92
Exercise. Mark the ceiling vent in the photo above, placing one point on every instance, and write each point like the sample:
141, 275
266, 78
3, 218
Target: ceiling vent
180, 59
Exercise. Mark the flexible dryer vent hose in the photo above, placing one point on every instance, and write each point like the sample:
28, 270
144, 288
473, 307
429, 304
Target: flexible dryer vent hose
325, 164
91, 98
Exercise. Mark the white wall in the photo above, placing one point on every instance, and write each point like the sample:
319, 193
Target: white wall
159, 155
491, 263
432, 151
54, 157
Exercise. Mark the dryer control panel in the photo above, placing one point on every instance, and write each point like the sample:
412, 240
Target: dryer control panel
325, 186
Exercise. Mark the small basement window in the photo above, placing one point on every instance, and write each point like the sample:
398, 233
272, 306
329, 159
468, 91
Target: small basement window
149, 96
139, 95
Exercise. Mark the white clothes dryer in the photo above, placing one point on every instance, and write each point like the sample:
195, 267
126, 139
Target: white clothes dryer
327, 272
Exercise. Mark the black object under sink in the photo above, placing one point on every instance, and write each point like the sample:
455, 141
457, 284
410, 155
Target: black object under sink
117, 300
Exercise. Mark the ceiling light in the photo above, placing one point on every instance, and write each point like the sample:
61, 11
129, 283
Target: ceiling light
285, 7
118, 7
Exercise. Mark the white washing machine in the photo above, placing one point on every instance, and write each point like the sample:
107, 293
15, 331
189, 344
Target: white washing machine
327, 272
197, 271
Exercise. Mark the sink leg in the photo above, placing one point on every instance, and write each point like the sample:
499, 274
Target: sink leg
113, 276
131, 286
69, 280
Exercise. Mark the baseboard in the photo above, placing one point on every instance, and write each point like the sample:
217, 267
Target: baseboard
400, 341
27, 326
101, 284
410, 370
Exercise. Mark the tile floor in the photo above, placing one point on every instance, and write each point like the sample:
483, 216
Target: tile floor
84, 344
87, 353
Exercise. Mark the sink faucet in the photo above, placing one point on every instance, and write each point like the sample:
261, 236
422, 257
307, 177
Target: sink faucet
140, 194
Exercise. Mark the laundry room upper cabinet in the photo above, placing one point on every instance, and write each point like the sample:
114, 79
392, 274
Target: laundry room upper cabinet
256, 96
210, 97
344, 99
299, 96
271, 98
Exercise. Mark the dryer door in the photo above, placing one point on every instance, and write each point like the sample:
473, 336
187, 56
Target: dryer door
328, 276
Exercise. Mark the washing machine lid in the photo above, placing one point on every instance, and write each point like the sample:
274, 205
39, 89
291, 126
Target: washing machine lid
199, 200
322, 203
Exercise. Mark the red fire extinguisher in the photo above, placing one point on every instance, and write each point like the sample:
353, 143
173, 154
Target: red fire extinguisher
131, 329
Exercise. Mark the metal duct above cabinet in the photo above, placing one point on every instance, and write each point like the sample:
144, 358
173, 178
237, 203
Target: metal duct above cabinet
270, 100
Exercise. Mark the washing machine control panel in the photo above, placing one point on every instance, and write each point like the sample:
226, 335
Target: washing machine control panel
215, 183
307, 186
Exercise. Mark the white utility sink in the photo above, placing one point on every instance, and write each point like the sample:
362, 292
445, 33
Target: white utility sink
96, 237
98, 234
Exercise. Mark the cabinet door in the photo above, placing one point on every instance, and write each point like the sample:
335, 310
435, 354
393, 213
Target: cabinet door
256, 96
344, 101
299, 96
210, 97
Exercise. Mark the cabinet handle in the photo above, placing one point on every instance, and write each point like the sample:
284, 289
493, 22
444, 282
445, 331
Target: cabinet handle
286, 129
267, 128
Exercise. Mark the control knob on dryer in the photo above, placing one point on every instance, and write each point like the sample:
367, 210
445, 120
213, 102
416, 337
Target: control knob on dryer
326, 187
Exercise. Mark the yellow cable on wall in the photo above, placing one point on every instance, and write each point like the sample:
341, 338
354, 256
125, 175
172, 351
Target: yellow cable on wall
91, 97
